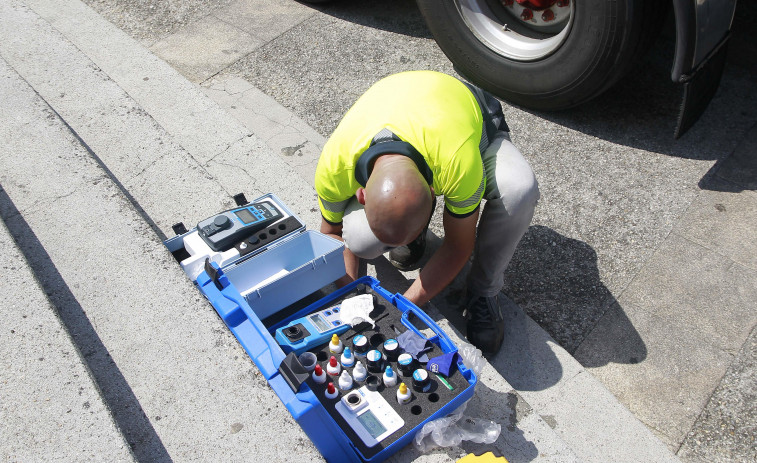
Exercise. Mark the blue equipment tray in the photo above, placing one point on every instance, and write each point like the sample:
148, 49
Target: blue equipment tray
305, 404
257, 294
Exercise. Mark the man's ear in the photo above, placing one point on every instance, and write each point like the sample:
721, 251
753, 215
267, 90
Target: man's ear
360, 195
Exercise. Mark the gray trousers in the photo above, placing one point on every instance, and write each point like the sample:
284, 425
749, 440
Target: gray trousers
511, 196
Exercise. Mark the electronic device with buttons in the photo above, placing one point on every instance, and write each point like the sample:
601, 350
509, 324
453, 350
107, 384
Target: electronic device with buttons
311, 330
224, 230
369, 415
231, 236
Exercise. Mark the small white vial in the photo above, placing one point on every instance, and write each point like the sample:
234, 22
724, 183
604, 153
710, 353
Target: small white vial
403, 394
331, 392
319, 376
335, 345
390, 379
348, 360
333, 368
359, 372
345, 381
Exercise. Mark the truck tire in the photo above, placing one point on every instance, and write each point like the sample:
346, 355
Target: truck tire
543, 54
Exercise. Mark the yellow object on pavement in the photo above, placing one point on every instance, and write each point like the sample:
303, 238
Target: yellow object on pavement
487, 457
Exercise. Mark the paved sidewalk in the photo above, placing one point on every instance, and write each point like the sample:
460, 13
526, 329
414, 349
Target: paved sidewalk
679, 321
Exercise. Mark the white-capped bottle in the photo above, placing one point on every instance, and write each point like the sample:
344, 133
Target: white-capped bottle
345, 381
359, 373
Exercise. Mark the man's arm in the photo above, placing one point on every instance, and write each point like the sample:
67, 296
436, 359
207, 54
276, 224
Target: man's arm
448, 260
351, 261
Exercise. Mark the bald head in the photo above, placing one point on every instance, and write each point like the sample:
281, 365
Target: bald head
397, 200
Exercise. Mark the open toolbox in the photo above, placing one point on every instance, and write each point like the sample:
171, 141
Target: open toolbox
261, 296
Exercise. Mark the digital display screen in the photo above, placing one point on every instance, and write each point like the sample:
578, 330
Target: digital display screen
371, 424
245, 216
320, 323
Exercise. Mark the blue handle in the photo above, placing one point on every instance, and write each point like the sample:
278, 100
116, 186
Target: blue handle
408, 307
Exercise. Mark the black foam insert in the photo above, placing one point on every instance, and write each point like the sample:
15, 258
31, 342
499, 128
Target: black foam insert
423, 404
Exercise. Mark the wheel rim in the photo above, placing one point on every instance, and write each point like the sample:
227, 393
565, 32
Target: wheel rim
521, 30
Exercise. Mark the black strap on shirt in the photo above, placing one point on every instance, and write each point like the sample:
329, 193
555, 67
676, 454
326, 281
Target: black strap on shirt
385, 142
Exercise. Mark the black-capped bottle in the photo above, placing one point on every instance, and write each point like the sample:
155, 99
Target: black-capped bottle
406, 364
360, 344
374, 361
391, 349
421, 380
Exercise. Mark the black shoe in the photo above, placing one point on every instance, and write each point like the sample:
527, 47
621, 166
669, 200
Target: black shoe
404, 257
486, 324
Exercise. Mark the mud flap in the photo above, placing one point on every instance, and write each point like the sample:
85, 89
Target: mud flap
699, 88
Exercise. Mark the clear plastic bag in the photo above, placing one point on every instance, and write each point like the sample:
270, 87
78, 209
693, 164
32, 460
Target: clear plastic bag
472, 357
454, 429
458, 427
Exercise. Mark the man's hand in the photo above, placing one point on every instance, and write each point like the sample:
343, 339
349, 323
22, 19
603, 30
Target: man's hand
351, 261
448, 260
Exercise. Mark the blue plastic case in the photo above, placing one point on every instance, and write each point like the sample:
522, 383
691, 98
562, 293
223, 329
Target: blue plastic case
285, 273
304, 406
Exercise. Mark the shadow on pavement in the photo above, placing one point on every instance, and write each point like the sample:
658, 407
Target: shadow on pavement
737, 171
387, 15
641, 110
555, 281
119, 398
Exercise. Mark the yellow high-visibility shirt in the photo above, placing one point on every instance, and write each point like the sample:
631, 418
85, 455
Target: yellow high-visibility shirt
435, 113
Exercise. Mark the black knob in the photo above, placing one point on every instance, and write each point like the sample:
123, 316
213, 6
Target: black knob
221, 221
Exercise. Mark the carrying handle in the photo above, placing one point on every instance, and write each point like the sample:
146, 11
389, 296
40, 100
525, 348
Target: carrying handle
408, 308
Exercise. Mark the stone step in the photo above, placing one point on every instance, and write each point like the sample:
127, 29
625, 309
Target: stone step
52, 360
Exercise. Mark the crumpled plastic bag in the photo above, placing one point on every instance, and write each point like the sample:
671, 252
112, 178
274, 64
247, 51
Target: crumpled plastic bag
454, 429
472, 357
457, 427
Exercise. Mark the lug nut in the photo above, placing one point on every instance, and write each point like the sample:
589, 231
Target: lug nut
547, 16
527, 15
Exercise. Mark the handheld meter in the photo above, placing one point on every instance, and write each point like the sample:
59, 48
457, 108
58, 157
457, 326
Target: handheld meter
369, 415
224, 230
311, 330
